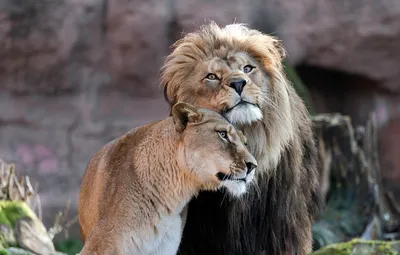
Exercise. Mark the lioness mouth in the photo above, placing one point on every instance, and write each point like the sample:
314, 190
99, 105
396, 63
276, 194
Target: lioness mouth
224, 177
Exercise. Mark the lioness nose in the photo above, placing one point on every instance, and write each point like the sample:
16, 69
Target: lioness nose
250, 167
238, 85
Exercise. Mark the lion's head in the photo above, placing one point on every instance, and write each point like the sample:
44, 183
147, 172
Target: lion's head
212, 149
238, 72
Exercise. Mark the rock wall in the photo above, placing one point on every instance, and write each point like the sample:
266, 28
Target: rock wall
76, 73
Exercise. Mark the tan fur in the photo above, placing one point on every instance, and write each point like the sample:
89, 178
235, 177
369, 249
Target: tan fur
135, 190
281, 139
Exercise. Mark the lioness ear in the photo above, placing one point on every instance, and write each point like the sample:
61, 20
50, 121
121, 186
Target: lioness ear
242, 137
183, 113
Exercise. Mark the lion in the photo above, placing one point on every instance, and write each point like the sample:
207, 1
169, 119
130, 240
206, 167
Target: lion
136, 187
238, 72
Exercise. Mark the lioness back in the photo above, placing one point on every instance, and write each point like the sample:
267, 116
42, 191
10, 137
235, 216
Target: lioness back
100, 171
135, 188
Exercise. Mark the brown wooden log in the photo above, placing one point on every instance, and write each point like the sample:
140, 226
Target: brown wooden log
356, 203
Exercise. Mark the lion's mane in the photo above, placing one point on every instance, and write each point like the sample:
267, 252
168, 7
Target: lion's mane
276, 216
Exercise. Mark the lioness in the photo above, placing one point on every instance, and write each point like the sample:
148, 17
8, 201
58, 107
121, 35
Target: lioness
135, 187
238, 72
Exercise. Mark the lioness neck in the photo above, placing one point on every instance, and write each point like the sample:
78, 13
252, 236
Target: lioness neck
163, 178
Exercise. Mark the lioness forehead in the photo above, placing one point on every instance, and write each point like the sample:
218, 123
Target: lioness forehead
212, 115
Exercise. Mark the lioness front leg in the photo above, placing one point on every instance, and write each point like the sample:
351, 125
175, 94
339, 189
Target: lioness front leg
102, 242
101, 251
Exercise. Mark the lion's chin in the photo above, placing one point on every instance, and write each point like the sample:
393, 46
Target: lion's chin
234, 188
244, 114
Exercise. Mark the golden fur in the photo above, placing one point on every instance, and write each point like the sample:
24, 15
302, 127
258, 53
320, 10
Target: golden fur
208, 68
135, 188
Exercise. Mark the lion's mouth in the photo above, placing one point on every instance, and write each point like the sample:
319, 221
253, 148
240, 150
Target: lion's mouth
223, 177
241, 103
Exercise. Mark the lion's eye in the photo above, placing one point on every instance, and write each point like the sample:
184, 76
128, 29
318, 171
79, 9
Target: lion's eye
211, 76
223, 135
248, 69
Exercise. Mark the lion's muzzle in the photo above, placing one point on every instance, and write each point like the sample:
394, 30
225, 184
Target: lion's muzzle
238, 85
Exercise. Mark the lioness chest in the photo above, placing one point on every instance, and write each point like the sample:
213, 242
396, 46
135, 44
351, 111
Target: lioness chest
162, 239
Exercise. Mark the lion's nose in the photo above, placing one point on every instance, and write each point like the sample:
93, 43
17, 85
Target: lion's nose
250, 167
238, 85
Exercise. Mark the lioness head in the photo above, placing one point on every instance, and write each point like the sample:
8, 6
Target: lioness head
213, 149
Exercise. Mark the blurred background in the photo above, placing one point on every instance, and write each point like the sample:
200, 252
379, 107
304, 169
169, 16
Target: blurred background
75, 74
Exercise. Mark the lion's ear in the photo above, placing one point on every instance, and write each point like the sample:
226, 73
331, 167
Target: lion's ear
280, 48
183, 113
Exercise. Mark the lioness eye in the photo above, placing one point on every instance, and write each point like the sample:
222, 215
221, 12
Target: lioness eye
211, 76
248, 68
223, 135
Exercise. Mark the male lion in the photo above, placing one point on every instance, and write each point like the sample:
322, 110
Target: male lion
238, 72
135, 188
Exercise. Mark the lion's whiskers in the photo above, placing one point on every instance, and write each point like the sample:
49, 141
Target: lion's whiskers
256, 188
223, 179
269, 102
223, 198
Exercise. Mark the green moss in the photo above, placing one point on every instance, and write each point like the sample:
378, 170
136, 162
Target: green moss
385, 248
3, 242
7, 236
359, 247
11, 211
3, 252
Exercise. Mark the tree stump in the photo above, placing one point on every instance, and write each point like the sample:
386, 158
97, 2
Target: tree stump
356, 203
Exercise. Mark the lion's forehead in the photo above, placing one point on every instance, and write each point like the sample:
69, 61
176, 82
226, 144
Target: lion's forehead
217, 64
229, 61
